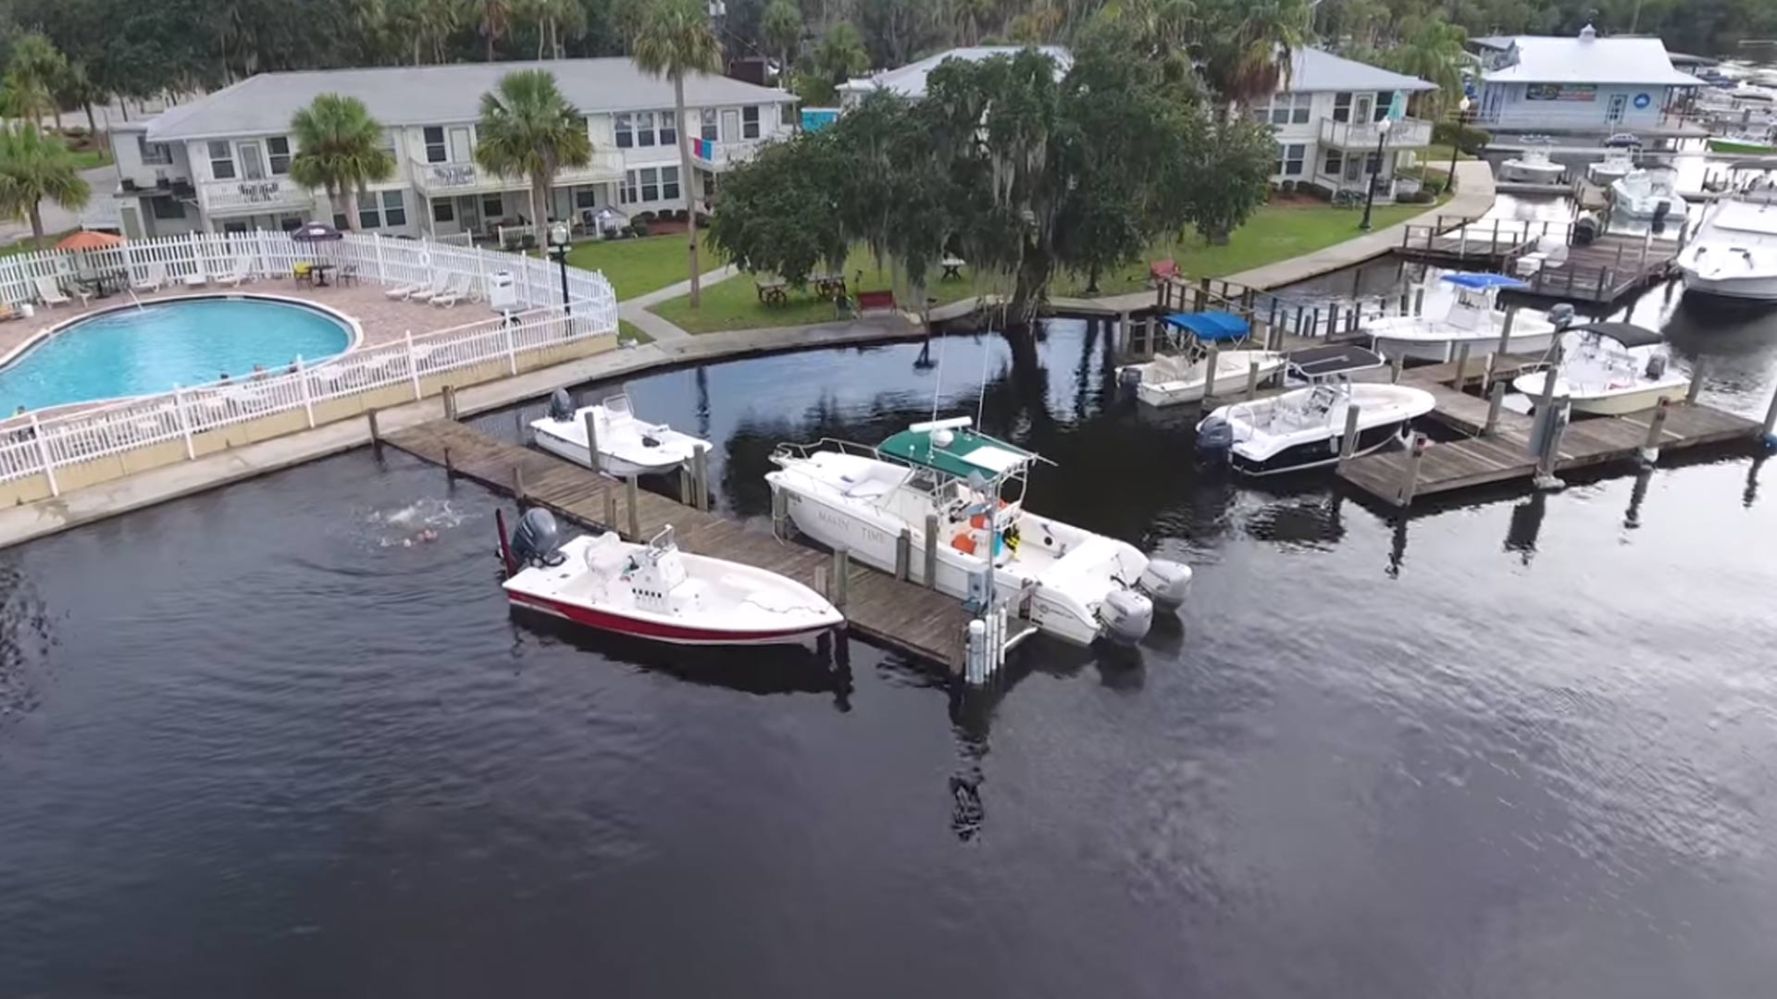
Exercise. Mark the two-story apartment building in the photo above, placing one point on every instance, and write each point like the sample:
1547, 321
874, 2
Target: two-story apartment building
1327, 116
909, 81
222, 162
1585, 85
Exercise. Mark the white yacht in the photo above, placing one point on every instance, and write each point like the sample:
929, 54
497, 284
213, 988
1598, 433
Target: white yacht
1646, 194
626, 445
1182, 376
1616, 164
1733, 254
1072, 583
1474, 317
1532, 166
1609, 369
1305, 428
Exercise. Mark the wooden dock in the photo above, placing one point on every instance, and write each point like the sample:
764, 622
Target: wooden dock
900, 615
1498, 448
1601, 272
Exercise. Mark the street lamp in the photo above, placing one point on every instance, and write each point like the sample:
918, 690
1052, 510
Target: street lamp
1462, 107
558, 248
1382, 128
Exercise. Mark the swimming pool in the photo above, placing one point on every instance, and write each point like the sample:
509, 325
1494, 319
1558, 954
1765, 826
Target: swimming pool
141, 351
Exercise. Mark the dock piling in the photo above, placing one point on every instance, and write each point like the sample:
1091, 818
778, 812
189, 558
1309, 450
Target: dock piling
610, 510
1460, 381
903, 554
1410, 471
592, 441
1419, 301
1395, 364
700, 475
450, 470
449, 395
1690, 395
376, 437
518, 485
1348, 442
1769, 433
1210, 362
1656, 427
1252, 379
1496, 396
931, 560
631, 503
841, 577
779, 513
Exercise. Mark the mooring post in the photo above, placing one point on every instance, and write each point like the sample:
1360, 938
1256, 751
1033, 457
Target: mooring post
1410, 471
1252, 379
1495, 398
686, 485
1348, 442
931, 561
1300, 314
1770, 432
631, 495
820, 581
1690, 395
610, 509
1395, 364
1406, 300
1505, 342
450, 470
1461, 378
1314, 322
376, 437
592, 440
449, 395
780, 509
518, 485
1656, 427
1210, 361
700, 468
903, 554
1419, 301
841, 577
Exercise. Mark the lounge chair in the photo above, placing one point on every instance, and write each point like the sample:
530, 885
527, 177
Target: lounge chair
440, 284
242, 272
155, 281
459, 290
49, 292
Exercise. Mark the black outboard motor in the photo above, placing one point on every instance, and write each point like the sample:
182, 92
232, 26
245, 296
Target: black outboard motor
537, 540
561, 405
1215, 437
1656, 367
1562, 315
1585, 229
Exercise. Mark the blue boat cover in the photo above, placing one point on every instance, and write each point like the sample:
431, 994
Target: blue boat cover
1484, 282
1210, 325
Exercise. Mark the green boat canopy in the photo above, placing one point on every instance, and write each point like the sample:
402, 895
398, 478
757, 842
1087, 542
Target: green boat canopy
956, 450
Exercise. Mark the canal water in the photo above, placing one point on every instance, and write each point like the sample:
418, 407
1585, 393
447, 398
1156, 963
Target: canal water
284, 739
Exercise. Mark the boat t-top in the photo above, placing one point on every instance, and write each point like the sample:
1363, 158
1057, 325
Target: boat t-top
1610, 369
1618, 162
969, 488
1733, 254
1305, 428
1647, 194
1183, 375
1474, 317
626, 445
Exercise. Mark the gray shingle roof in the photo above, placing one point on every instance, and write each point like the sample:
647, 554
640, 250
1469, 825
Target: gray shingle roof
1590, 59
429, 95
910, 80
1313, 70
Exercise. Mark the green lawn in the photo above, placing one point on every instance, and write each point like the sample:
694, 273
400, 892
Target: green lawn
638, 266
86, 159
630, 332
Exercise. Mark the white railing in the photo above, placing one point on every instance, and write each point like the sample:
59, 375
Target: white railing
268, 194
1406, 133
605, 166
39, 444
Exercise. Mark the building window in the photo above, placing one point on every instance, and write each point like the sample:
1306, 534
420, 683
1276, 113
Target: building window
1290, 109
787, 116
444, 210
669, 129
154, 153
167, 208
1335, 163
436, 150
368, 216
749, 122
277, 153
339, 221
1384, 98
1372, 163
650, 184
394, 208
1290, 157
586, 197
644, 128
626, 136
1342, 106
492, 207
708, 129
669, 183
626, 192
221, 161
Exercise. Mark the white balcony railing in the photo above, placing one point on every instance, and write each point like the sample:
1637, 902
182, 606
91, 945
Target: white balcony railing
605, 167
267, 194
722, 155
1407, 133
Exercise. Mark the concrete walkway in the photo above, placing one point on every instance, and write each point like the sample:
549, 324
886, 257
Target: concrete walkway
636, 309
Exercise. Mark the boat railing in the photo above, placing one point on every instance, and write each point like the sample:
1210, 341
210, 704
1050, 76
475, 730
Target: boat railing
802, 451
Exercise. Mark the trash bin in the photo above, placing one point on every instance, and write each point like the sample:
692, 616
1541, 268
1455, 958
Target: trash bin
502, 292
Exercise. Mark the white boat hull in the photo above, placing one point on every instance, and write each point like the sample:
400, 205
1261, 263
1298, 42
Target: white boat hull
1610, 402
1724, 275
626, 446
1305, 428
1169, 382
1445, 347
561, 447
1531, 173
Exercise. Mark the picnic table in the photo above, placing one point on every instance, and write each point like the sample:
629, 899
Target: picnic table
774, 291
829, 285
103, 284
953, 268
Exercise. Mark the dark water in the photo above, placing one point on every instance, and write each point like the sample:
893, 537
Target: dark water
251, 743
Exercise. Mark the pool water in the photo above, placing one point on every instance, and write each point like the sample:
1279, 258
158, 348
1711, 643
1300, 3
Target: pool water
152, 349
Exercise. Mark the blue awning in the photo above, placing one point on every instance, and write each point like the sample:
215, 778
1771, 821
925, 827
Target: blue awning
1484, 282
1209, 325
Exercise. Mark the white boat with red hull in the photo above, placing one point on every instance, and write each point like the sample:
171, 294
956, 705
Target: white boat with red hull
655, 591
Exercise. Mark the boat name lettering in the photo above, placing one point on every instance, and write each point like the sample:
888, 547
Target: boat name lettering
461, 173
259, 192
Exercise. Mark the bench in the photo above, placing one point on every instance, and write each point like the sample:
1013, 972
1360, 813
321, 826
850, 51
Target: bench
868, 300
1162, 270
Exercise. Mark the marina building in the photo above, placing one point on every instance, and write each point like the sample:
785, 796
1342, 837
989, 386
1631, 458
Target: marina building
1338, 120
222, 163
1583, 85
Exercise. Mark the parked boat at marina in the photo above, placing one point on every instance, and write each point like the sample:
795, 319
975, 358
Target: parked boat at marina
1182, 376
1532, 166
1617, 163
626, 445
1474, 317
1646, 194
1609, 369
970, 488
1733, 254
657, 592
1305, 428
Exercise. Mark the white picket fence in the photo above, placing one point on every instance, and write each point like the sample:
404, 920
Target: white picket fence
37, 444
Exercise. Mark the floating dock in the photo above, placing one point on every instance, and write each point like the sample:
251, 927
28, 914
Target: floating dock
894, 613
1499, 448
1598, 273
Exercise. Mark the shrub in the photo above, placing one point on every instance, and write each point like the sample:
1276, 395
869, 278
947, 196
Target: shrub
1419, 197
1467, 138
639, 226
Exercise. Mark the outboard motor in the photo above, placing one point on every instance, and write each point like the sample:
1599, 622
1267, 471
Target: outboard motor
1126, 616
1585, 229
1165, 582
537, 540
561, 405
1128, 376
1562, 315
1215, 437
1656, 366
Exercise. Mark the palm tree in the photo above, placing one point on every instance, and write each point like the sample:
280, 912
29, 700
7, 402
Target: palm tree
1433, 49
781, 27
493, 18
674, 38
841, 54
554, 19
34, 166
529, 129
37, 67
1251, 46
339, 149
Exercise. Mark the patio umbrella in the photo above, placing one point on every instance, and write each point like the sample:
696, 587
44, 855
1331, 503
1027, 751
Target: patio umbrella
85, 242
316, 232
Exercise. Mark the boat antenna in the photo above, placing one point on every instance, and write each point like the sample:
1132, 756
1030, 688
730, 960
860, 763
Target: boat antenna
938, 380
981, 394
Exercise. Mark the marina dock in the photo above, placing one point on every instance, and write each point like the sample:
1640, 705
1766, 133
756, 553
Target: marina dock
891, 612
1601, 272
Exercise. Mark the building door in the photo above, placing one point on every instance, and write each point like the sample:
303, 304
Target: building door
252, 162
1619, 103
730, 124
1363, 108
469, 213
459, 146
